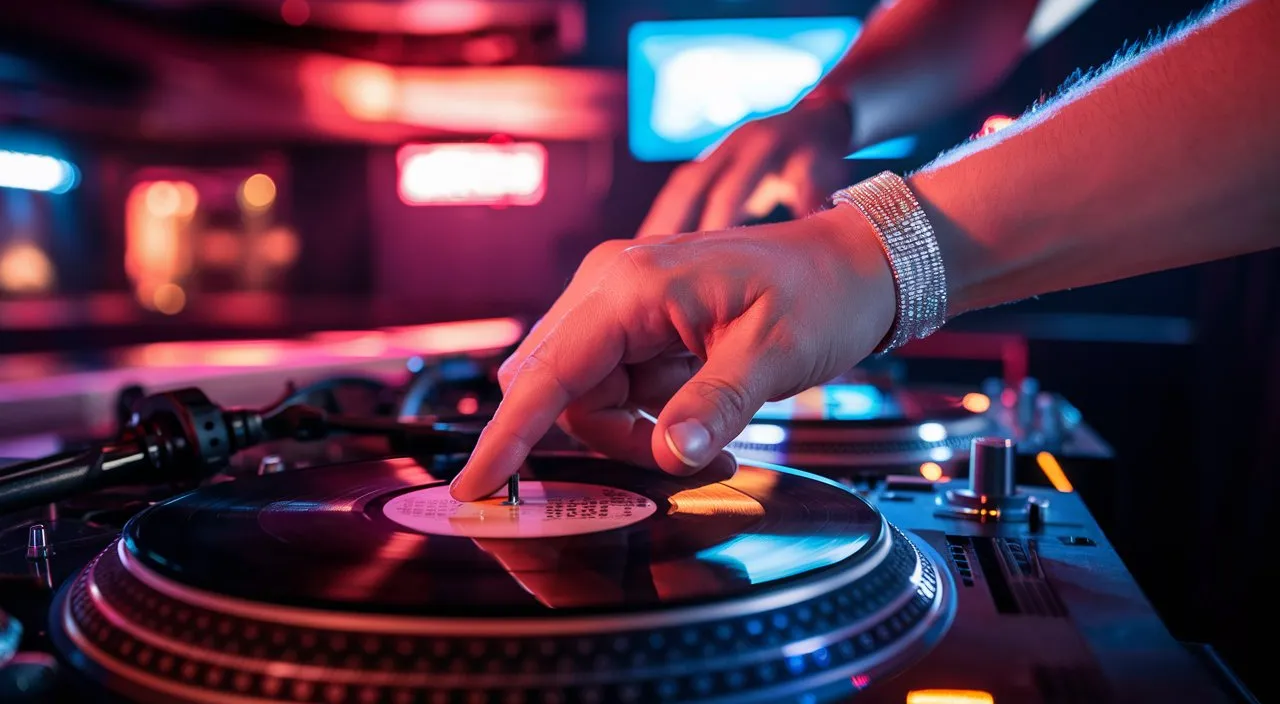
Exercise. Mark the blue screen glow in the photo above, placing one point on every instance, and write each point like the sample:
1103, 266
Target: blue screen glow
691, 82
828, 402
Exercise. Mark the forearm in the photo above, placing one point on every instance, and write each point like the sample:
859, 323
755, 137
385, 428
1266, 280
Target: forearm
917, 60
1169, 160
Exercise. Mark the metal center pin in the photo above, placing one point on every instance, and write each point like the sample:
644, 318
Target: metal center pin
513, 491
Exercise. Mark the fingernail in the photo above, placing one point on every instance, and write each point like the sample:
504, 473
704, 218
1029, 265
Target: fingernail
456, 486
689, 442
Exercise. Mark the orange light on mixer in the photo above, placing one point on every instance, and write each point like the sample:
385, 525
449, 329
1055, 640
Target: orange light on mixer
976, 403
949, 696
1053, 472
931, 471
483, 173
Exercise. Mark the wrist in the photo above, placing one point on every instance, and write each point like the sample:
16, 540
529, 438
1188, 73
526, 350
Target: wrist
836, 105
858, 248
891, 208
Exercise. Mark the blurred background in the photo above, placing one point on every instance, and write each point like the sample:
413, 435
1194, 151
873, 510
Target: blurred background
196, 189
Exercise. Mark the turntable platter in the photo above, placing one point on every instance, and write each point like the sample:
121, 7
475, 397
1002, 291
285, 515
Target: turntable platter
365, 582
863, 425
385, 536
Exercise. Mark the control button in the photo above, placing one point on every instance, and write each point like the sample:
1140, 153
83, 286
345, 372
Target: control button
1035, 517
270, 465
1078, 540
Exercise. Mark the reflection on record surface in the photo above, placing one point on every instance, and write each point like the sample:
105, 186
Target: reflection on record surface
590, 534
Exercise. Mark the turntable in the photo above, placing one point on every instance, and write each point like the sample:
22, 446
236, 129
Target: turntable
853, 426
604, 584
601, 582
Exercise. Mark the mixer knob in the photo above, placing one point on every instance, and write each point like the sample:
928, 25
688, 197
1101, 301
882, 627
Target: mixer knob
1028, 389
37, 542
992, 494
991, 468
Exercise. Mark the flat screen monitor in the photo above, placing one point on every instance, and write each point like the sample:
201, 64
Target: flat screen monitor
691, 82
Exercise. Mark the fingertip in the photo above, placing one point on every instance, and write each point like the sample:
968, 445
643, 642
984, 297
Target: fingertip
460, 488
478, 479
722, 468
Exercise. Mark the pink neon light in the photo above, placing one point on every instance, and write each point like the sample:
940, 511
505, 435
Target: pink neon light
472, 174
461, 336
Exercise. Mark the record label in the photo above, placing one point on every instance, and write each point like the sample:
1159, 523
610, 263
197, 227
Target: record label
546, 510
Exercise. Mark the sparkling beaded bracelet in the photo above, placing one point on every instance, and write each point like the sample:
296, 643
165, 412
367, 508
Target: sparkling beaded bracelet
920, 281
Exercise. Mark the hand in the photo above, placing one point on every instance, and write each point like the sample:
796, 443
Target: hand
699, 330
803, 149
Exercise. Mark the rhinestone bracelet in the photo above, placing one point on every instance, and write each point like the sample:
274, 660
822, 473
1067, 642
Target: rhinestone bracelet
920, 281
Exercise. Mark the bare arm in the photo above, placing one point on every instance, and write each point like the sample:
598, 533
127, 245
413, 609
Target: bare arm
1170, 158
1167, 159
918, 60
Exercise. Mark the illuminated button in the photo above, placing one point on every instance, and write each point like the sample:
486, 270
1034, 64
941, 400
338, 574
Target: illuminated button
932, 432
949, 696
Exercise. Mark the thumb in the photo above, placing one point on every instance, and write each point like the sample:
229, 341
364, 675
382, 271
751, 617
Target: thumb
713, 407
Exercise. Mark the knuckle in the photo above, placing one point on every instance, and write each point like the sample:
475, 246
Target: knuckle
513, 435
641, 257
604, 252
507, 371
540, 366
729, 400
646, 264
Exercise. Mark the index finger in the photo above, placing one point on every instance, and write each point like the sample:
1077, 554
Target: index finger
578, 353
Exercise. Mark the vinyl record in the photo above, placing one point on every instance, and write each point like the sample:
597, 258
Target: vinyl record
867, 405
589, 535
863, 425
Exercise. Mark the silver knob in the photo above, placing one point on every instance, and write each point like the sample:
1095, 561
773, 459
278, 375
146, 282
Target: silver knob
270, 465
992, 494
991, 468
37, 542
